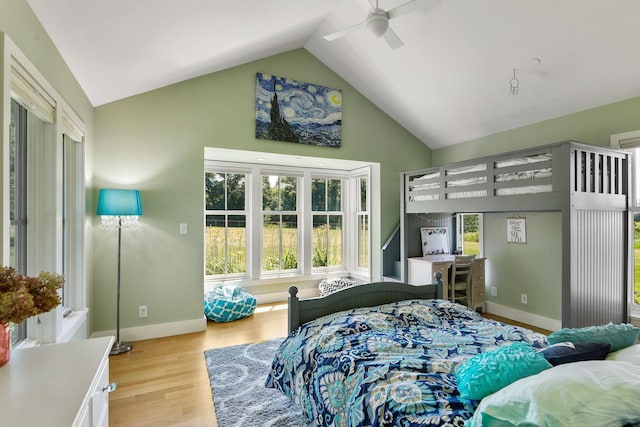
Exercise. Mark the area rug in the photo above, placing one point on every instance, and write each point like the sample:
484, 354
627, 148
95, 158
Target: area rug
237, 375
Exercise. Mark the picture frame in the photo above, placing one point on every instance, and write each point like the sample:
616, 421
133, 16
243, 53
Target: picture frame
517, 230
435, 240
293, 111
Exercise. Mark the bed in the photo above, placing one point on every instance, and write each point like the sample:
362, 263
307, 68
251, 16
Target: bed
393, 363
396, 364
589, 185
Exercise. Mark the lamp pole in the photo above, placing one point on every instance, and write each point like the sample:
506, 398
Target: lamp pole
119, 347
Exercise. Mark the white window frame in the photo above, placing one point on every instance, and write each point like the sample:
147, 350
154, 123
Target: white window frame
630, 141
460, 231
216, 168
255, 275
22, 82
290, 173
354, 212
344, 196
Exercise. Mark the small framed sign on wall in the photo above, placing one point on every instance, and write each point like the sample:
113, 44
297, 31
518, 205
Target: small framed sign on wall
516, 229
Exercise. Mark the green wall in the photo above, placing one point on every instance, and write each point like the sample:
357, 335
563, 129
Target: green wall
534, 268
594, 126
155, 142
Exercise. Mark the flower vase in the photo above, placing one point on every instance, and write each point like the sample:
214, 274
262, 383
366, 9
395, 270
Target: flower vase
5, 343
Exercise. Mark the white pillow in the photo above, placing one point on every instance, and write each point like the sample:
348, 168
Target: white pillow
592, 393
627, 354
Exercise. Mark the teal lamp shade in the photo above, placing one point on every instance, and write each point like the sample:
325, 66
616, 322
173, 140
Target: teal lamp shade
119, 203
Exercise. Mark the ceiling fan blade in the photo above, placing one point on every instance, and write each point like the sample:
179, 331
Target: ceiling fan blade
410, 7
392, 39
333, 36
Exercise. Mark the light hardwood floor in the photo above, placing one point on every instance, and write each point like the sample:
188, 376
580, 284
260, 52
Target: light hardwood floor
164, 381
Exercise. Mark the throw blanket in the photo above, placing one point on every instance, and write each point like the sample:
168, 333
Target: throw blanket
392, 364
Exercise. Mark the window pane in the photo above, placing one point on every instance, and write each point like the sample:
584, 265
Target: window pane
214, 191
280, 242
288, 192
334, 194
318, 195
363, 194
215, 240
636, 181
271, 243
235, 191
289, 242
236, 244
226, 242
270, 196
363, 241
320, 241
471, 236
335, 240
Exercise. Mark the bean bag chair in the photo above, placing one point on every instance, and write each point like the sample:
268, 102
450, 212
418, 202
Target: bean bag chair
228, 303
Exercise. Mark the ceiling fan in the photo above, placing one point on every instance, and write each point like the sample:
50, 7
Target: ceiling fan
377, 21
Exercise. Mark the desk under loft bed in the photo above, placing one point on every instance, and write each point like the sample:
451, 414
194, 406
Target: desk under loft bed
588, 185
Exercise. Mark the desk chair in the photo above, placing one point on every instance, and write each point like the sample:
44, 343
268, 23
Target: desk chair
460, 283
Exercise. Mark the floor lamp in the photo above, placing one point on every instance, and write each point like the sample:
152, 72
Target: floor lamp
119, 209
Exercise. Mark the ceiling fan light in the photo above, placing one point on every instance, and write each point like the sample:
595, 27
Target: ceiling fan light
377, 22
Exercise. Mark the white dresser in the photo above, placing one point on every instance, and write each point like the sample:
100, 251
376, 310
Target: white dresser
57, 385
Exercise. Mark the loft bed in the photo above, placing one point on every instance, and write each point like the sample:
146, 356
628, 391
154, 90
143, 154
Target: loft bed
539, 179
589, 185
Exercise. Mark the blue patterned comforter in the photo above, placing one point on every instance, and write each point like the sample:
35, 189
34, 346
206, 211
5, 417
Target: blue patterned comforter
390, 365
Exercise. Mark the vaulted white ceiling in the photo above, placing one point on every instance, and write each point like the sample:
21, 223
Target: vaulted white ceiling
447, 84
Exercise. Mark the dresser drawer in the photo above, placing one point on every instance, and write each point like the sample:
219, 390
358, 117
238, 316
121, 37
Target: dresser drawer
477, 293
100, 400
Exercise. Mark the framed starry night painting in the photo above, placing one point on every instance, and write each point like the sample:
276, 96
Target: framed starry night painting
293, 111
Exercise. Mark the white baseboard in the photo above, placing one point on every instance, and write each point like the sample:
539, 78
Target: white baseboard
523, 316
139, 333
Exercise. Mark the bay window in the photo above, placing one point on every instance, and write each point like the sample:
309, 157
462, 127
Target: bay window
284, 221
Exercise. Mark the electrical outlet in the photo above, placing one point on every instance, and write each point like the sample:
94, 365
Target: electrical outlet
183, 228
494, 291
142, 311
523, 298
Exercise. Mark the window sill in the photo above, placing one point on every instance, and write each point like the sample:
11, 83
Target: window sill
72, 324
26, 343
282, 282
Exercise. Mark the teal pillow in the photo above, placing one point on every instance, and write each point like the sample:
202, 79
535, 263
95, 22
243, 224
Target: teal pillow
618, 336
488, 372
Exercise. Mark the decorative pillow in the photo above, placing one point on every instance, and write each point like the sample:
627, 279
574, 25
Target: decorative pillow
619, 336
592, 393
629, 354
567, 352
329, 286
490, 371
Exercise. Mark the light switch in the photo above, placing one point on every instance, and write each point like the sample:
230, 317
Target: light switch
183, 228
